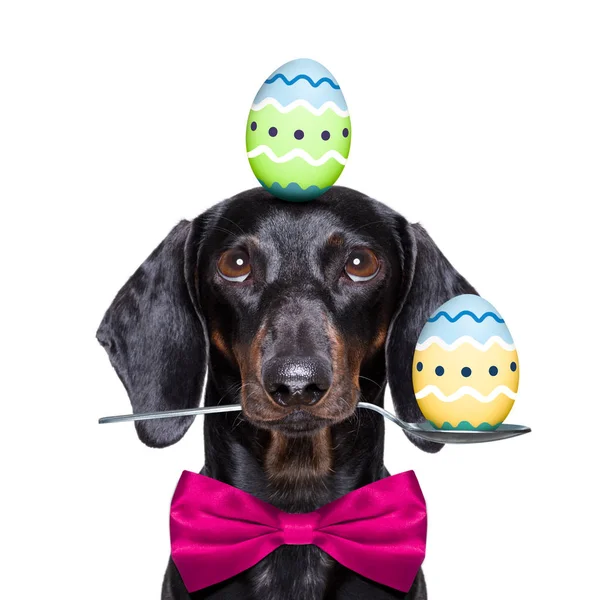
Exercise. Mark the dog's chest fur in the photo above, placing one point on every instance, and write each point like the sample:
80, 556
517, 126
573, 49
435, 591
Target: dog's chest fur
294, 571
279, 576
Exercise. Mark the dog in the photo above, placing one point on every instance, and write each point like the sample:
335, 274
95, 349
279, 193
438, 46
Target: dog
297, 311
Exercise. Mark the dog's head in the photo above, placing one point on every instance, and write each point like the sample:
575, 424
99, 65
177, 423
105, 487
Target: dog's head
297, 307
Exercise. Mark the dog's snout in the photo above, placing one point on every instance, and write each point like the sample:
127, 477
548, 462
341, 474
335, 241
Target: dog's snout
297, 381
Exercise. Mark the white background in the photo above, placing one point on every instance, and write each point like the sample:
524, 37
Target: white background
480, 119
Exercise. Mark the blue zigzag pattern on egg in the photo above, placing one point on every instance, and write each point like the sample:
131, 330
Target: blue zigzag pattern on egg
314, 84
302, 79
463, 316
466, 313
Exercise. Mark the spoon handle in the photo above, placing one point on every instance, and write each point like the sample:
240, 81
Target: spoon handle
166, 414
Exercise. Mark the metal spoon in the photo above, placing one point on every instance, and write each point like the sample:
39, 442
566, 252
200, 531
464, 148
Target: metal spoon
422, 430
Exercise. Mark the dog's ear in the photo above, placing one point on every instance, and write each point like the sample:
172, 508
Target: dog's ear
429, 280
155, 335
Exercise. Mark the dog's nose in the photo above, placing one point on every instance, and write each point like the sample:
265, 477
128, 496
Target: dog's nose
297, 381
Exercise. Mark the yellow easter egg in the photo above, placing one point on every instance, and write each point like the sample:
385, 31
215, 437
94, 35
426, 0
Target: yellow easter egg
465, 367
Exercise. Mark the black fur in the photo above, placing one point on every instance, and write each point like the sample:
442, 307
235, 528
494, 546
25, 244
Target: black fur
159, 336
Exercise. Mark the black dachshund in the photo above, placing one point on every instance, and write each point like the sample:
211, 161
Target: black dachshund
298, 311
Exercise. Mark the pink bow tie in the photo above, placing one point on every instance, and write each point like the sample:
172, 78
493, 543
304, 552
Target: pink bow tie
378, 531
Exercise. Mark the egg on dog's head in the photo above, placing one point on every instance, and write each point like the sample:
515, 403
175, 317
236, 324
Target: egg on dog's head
298, 131
465, 368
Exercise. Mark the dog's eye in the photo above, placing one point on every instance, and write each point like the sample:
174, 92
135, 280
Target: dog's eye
362, 265
234, 265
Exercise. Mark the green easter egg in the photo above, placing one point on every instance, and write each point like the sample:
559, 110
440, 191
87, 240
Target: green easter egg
298, 131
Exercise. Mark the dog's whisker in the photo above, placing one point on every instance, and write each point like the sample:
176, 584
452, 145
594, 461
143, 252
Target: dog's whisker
233, 223
229, 390
357, 418
371, 380
224, 230
237, 421
240, 416
368, 224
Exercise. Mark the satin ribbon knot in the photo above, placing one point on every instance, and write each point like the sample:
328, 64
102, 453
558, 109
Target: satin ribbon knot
298, 528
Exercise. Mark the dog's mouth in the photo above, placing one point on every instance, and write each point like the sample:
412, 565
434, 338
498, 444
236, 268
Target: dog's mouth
293, 421
298, 422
